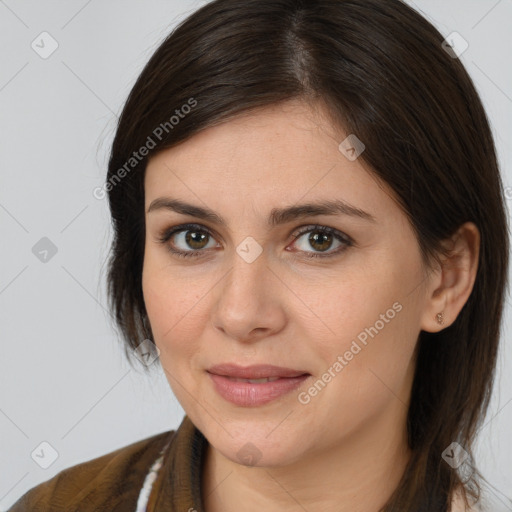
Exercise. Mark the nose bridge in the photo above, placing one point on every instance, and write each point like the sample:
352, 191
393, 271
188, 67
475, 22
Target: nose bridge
248, 271
242, 302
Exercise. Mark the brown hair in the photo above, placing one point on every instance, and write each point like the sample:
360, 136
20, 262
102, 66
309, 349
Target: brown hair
380, 69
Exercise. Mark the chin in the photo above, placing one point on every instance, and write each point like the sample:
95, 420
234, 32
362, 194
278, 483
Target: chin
252, 446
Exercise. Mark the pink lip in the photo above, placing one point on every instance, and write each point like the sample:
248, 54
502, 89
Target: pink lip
248, 394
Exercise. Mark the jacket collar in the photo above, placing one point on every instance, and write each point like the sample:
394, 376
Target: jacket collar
177, 487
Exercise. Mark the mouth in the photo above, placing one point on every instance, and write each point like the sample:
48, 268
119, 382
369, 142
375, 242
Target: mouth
255, 372
254, 385
253, 381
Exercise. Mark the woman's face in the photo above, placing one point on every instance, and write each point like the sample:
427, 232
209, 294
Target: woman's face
252, 292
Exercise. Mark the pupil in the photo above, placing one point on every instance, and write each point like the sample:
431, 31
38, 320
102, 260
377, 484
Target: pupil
324, 237
192, 241
319, 242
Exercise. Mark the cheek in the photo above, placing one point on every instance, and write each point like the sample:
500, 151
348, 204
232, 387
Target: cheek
172, 307
371, 362
370, 324
351, 304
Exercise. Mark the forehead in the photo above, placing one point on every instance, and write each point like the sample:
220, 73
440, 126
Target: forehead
281, 154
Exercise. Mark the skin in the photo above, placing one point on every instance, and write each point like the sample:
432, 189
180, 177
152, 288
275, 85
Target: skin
346, 449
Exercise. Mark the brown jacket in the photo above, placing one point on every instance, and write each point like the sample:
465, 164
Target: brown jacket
113, 482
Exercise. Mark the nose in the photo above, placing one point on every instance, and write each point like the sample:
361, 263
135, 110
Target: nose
249, 301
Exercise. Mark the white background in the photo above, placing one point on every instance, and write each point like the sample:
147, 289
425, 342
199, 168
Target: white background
63, 378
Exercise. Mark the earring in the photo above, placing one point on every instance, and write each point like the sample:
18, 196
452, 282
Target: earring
440, 318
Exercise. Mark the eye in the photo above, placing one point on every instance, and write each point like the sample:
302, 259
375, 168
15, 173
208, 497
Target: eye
194, 239
321, 239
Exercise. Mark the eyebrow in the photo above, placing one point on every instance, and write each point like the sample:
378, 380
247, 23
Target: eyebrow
277, 215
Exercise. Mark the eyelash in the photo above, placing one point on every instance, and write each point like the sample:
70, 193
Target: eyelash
166, 235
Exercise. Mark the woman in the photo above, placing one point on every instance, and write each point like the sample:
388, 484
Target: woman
309, 225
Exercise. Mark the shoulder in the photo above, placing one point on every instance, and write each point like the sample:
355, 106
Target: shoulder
109, 482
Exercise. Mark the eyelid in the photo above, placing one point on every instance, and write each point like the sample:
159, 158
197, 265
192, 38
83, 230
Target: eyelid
165, 235
321, 227
300, 230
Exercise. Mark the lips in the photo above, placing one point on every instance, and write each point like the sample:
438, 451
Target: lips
255, 372
255, 385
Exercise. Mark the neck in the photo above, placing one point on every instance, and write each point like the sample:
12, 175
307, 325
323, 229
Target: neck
357, 475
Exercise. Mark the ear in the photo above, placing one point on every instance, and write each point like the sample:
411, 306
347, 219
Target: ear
451, 284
